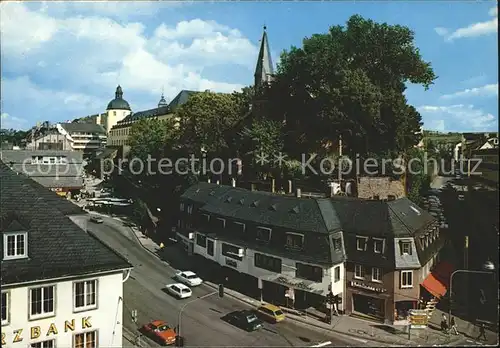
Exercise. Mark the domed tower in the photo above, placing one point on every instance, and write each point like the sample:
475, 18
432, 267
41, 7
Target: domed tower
162, 103
117, 109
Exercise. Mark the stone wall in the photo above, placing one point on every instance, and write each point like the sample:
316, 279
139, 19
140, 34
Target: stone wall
383, 187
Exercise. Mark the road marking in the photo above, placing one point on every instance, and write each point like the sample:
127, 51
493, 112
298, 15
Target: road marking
357, 339
323, 344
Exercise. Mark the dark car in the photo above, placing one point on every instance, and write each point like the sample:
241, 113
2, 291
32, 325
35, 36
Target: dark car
245, 320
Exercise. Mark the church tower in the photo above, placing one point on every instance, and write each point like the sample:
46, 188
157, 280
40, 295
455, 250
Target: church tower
264, 72
117, 109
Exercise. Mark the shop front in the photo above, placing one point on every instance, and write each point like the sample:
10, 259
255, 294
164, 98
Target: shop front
368, 301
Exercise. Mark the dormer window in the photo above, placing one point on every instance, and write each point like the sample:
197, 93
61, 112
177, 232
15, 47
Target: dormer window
263, 234
294, 240
337, 244
405, 248
361, 243
378, 245
15, 245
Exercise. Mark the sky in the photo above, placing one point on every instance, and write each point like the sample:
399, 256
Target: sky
63, 60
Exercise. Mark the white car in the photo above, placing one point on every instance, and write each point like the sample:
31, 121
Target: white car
179, 290
189, 278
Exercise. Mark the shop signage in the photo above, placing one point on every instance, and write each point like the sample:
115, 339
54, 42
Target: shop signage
231, 263
418, 318
35, 332
363, 286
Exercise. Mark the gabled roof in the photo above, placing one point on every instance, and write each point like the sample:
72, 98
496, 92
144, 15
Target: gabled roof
57, 247
181, 99
83, 127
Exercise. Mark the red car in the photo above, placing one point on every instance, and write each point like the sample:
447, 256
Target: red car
159, 331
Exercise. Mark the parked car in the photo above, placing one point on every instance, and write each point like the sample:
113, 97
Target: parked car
189, 278
179, 290
159, 331
270, 313
96, 219
244, 319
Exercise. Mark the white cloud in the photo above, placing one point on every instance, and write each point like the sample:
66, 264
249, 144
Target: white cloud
8, 122
493, 11
459, 116
435, 125
472, 30
90, 55
484, 91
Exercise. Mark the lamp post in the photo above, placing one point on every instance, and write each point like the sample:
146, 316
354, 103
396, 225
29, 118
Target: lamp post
489, 269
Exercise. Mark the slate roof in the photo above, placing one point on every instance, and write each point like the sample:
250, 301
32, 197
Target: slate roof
83, 127
181, 99
323, 216
57, 247
135, 116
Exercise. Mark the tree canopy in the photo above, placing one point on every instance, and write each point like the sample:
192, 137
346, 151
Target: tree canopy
351, 82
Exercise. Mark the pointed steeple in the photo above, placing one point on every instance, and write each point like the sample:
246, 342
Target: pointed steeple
119, 92
264, 69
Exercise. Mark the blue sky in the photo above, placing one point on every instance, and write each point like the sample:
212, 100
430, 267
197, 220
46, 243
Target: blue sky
63, 60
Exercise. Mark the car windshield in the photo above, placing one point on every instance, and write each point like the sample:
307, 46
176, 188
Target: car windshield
192, 276
163, 328
186, 290
251, 318
278, 313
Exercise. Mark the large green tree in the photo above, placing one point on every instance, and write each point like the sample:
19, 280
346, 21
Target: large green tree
350, 82
205, 119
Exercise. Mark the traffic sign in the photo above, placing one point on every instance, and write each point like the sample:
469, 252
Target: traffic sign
419, 318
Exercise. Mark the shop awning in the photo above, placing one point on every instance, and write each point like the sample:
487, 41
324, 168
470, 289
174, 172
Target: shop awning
437, 282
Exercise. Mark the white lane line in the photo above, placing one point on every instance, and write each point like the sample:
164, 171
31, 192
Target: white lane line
323, 344
357, 339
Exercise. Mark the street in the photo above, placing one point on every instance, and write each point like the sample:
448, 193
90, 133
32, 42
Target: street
201, 323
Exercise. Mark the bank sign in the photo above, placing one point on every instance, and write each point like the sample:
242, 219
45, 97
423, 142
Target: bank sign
34, 332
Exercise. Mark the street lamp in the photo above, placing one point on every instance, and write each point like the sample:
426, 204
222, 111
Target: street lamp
488, 267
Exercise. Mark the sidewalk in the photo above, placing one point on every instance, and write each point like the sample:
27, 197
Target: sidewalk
353, 328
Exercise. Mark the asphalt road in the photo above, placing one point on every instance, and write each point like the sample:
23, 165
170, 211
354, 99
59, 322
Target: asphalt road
201, 322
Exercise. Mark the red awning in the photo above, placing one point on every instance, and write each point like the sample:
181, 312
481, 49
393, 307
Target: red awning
437, 282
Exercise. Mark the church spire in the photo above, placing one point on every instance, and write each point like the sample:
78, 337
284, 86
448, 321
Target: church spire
264, 69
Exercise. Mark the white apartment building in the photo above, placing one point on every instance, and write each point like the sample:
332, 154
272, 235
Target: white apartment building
86, 137
290, 246
61, 287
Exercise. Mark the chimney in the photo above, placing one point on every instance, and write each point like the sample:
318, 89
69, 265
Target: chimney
273, 185
252, 187
208, 180
290, 186
233, 182
299, 193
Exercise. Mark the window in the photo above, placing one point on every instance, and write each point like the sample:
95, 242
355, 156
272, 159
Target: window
376, 274
407, 279
201, 240
359, 272
294, 240
42, 301
210, 247
16, 245
182, 206
85, 294
270, 263
220, 223
231, 251
190, 209
336, 274
85, 340
378, 246
361, 243
44, 344
337, 244
263, 234
405, 248
309, 272
239, 228
205, 218
5, 308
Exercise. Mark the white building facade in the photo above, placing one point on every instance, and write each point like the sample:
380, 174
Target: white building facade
269, 267
79, 312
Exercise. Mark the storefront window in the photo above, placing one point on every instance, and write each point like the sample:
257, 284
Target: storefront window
402, 309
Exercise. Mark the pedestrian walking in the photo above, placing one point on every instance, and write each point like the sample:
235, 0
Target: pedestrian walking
482, 332
453, 326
